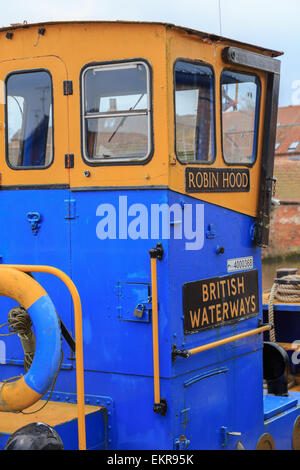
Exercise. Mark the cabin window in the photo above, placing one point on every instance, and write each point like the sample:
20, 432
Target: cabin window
116, 112
240, 108
194, 112
29, 128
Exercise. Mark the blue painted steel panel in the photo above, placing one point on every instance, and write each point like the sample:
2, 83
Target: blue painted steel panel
95, 432
51, 246
273, 405
281, 425
122, 351
208, 398
118, 356
111, 261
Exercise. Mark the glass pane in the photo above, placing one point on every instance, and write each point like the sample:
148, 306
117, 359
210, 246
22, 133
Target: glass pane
194, 108
117, 137
122, 103
240, 99
116, 89
29, 119
15, 110
121, 90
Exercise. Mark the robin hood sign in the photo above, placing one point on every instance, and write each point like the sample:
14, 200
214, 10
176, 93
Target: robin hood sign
217, 180
220, 300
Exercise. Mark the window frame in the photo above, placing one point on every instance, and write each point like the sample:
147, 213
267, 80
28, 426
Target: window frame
256, 121
196, 62
123, 160
35, 167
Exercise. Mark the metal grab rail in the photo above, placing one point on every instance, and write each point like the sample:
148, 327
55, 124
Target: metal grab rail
78, 339
189, 352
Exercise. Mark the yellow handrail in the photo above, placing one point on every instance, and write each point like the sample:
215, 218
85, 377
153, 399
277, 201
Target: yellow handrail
78, 339
189, 352
160, 405
155, 332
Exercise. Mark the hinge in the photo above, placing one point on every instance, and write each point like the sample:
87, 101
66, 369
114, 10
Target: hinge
68, 87
70, 209
172, 159
69, 160
262, 223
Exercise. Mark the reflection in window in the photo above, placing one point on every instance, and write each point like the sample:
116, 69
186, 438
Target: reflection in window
194, 108
240, 101
116, 112
29, 119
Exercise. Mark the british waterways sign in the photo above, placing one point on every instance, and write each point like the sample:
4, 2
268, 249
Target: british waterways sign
220, 300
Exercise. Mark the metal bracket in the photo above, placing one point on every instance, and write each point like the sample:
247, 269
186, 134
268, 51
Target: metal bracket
157, 252
70, 209
179, 352
161, 408
69, 160
237, 56
68, 87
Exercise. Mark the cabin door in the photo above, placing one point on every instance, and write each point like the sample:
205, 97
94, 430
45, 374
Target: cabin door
34, 197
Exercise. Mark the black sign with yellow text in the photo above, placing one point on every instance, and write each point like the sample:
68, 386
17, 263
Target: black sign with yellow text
217, 180
219, 300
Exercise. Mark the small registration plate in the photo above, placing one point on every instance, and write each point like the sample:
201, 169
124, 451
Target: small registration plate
239, 264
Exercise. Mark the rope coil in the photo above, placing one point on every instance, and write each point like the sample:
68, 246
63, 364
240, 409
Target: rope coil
19, 322
288, 291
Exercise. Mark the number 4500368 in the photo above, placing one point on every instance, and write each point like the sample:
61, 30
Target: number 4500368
239, 264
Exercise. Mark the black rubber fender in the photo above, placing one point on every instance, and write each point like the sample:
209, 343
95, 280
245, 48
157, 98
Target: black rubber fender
34, 436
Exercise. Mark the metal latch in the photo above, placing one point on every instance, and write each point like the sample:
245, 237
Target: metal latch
225, 435
210, 232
